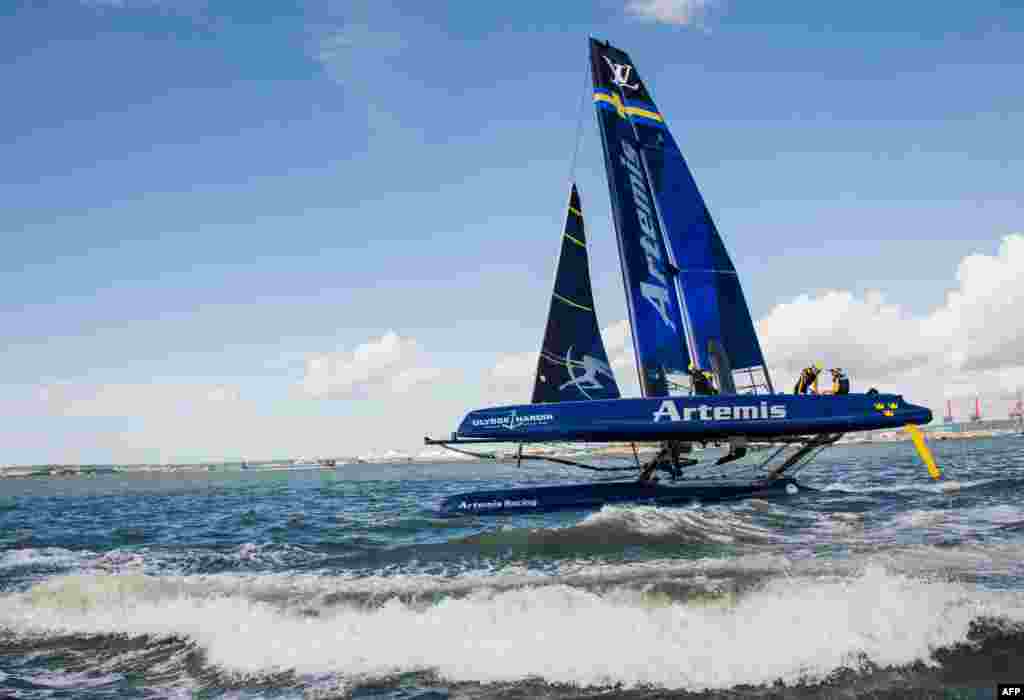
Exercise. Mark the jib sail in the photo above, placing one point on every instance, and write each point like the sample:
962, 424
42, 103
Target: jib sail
573, 364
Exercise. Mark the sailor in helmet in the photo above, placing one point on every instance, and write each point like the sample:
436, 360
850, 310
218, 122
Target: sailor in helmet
840, 381
807, 383
703, 382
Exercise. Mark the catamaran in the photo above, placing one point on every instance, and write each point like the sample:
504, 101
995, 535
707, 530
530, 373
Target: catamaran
687, 316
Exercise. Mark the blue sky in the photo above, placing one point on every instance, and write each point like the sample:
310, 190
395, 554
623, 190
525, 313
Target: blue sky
209, 194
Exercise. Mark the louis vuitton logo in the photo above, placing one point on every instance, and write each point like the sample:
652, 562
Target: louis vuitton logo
621, 73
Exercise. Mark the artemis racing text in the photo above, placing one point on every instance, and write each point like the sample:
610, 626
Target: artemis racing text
507, 503
670, 411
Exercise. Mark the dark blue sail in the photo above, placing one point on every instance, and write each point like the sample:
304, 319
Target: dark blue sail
719, 331
654, 312
573, 364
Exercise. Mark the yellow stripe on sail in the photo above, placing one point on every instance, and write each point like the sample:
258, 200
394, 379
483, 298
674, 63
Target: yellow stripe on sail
922, 449
581, 244
570, 302
613, 100
576, 211
616, 101
640, 112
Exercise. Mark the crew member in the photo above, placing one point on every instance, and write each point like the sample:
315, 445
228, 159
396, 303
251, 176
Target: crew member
808, 380
840, 382
702, 381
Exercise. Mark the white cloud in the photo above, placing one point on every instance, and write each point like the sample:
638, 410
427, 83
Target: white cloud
389, 364
618, 343
986, 309
974, 340
407, 379
678, 12
135, 400
188, 422
157, 422
511, 378
873, 338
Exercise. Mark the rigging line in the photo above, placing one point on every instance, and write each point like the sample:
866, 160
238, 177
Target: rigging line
563, 219
579, 125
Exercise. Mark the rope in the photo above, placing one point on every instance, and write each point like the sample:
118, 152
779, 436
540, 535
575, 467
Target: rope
579, 127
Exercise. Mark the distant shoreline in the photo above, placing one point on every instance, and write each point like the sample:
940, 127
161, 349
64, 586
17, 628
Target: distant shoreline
614, 450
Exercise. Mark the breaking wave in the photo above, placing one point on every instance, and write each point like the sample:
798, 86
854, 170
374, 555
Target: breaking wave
595, 626
615, 527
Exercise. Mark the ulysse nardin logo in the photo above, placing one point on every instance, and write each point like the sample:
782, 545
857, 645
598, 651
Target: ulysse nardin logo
621, 73
512, 420
591, 367
762, 411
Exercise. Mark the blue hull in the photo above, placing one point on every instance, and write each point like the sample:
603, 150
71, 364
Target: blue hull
588, 496
765, 416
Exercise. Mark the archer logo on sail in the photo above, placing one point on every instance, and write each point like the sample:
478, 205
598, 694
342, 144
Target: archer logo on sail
760, 411
620, 74
512, 420
591, 367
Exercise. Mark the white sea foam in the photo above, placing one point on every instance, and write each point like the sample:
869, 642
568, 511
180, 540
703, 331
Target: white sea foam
915, 519
840, 524
922, 487
691, 524
248, 555
70, 679
965, 560
45, 557
964, 522
791, 628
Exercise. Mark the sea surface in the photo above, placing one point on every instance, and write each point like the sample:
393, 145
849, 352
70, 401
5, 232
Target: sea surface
324, 584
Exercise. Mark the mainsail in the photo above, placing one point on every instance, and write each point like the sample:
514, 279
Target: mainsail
655, 315
679, 277
573, 364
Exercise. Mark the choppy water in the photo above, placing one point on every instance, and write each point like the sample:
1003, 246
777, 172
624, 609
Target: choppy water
342, 584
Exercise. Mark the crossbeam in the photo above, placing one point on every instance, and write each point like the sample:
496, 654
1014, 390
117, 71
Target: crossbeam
664, 460
818, 443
